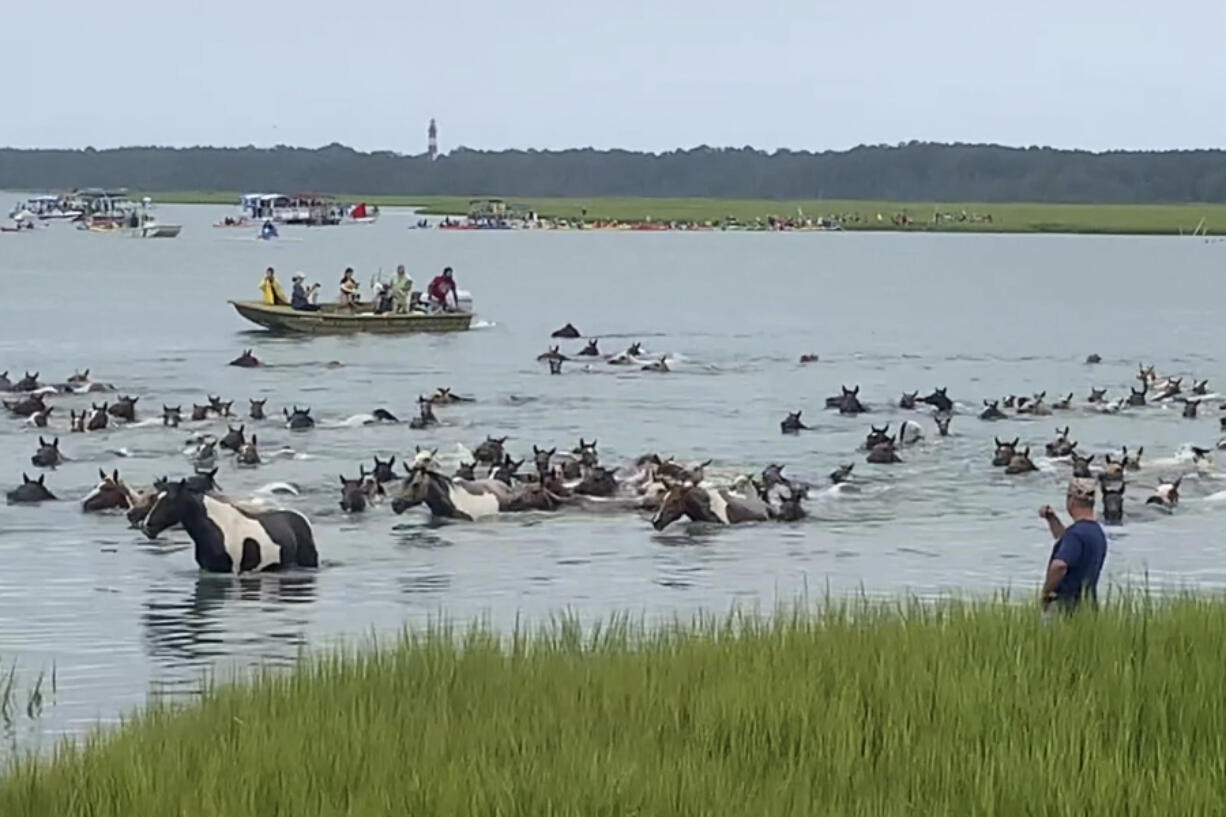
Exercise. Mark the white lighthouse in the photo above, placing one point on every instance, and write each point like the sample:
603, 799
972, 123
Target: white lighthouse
432, 140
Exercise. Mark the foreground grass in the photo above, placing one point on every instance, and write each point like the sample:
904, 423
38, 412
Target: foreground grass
1157, 219
950, 710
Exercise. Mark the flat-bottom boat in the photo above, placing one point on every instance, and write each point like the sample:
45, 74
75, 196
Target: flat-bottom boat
339, 319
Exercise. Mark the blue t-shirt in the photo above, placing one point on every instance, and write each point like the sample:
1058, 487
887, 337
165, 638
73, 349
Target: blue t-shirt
1083, 547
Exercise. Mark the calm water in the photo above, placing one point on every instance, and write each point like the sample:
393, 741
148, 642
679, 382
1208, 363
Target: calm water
118, 616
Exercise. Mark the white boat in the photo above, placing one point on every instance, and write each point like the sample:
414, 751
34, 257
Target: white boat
311, 209
143, 224
361, 214
121, 216
153, 229
48, 208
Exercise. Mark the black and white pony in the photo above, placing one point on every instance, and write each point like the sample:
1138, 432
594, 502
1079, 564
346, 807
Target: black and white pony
230, 540
450, 499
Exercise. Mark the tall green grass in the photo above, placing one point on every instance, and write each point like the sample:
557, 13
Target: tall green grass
952, 709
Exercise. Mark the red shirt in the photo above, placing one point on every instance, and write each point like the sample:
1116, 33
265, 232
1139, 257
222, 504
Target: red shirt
440, 286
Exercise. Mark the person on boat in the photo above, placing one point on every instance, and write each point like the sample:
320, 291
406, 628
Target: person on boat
384, 303
440, 287
349, 288
273, 294
300, 298
401, 286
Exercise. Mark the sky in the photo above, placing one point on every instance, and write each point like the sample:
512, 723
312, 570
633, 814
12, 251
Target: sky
634, 74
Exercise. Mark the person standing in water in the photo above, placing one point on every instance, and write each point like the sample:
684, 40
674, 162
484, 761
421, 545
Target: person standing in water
1079, 553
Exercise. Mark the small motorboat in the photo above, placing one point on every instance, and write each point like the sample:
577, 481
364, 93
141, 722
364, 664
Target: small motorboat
155, 229
361, 214
338, 319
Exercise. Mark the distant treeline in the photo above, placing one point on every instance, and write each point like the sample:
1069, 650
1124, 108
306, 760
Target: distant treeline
914, 171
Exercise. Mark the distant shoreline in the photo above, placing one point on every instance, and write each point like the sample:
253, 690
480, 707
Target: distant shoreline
862, 215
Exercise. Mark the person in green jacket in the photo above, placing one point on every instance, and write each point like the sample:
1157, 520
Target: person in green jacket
402, 286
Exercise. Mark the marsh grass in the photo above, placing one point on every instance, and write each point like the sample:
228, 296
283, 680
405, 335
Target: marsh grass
1008, 217
956, 708
13, 692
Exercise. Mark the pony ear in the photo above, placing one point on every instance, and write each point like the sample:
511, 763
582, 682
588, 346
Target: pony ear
115, 475
24, 478
102, 474
253, 439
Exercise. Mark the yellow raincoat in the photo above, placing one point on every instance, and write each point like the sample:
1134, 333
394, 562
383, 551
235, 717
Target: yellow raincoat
273, 295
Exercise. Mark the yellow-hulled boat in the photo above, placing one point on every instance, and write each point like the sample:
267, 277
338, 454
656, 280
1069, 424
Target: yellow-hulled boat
337, 319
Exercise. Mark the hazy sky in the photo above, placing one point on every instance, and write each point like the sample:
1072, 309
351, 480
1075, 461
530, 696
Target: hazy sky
632, 73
